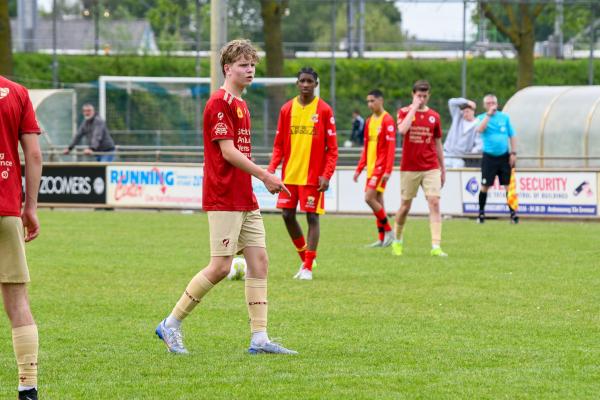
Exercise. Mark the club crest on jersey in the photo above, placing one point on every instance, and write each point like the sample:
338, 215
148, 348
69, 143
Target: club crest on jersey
240, 114
4, 91
432, 119
332, 121
315, 118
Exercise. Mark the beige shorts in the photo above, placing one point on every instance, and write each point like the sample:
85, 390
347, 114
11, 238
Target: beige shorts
13, 263
430, 180
232, 231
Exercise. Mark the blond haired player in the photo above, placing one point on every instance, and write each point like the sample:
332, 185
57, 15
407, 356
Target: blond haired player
19, 225
234, 220
422, 165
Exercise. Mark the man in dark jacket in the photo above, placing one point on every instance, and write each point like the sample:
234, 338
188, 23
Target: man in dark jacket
94, 128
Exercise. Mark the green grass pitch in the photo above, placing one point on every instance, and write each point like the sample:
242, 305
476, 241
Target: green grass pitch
513, 313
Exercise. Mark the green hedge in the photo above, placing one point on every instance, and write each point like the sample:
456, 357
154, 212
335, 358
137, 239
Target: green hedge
354, 78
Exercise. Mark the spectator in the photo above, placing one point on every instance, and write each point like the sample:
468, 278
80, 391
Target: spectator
358, 125
94, 128
462, 138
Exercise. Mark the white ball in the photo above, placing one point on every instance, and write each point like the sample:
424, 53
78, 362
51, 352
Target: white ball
237, 271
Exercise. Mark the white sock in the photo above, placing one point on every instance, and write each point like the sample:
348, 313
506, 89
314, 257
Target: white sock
172, 322
435, 246
259, 338
398, 241
23, 388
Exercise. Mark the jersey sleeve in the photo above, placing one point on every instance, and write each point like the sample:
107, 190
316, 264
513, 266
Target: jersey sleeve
278, 143
331, 154
511, 131
221, 121
389, 129
437, 128
363, 156
28, 122
401, 115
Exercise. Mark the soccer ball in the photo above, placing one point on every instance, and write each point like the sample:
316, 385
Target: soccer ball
237, 272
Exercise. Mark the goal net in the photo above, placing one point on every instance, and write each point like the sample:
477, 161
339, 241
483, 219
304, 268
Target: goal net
167, 111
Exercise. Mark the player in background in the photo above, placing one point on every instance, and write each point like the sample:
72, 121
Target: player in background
234, 219
422, 164
378, 156
498, 158
306, 142
19, 224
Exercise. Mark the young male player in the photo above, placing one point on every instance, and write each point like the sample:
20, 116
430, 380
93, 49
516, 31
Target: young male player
306, 141
19, 225
234, 219
422, 165
378, 156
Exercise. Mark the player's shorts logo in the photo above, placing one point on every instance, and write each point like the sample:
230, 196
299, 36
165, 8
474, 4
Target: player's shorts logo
225, 242
4, 91
240, 114
310, 201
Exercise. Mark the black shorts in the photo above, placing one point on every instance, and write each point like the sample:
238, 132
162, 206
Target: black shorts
492, 166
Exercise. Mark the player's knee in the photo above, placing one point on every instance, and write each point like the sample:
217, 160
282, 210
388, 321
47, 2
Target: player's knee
288, 214
312, 218
221, 266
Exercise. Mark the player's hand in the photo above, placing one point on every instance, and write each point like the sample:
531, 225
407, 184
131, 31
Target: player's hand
385, 178
323, 184
88, 152
31, 224
66, 151
512, 160
443, 176
274, 184
417, 102
356, 175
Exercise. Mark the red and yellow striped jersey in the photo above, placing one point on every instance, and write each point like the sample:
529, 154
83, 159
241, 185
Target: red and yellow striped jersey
380, 145
306, 141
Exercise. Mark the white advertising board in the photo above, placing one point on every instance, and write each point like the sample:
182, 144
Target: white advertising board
154, 186
540, 193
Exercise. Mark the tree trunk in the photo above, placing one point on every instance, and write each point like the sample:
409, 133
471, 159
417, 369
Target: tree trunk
525, 58
6, 64
272, 12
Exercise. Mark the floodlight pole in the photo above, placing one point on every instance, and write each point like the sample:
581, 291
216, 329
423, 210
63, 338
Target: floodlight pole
464, 52
332, 71
96, 27
218, 37
361, 28
54, 45
593, 10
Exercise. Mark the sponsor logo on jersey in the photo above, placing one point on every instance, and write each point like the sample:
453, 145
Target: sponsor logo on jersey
4, 174
220, 129
240, 114
330, 132
4, 91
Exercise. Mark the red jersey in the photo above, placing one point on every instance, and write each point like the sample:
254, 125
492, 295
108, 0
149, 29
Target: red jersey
225, 187
380, 145
306, 141
418, 148
16, 118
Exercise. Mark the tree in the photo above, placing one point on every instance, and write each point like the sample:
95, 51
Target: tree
517, 23
6, 63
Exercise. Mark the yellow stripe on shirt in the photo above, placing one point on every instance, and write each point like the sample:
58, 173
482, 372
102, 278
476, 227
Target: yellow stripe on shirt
301, 131
374, 129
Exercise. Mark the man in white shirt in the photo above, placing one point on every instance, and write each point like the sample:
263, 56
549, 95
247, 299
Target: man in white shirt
462, 138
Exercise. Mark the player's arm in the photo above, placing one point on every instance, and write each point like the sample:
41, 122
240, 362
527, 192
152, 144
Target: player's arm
236, 158
277, 155
405, 123
513, 145
486, 119
440, 154
390, 140
363, 155
331, 153
33, 174
454, 106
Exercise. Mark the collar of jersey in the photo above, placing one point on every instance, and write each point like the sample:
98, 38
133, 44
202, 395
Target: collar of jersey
309, 104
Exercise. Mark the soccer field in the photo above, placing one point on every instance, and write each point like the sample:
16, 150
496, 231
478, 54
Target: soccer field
512, 313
